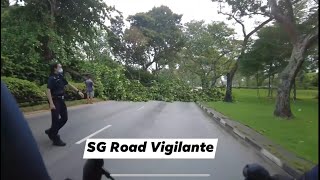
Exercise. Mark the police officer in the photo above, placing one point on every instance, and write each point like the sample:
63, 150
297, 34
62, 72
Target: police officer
55, 94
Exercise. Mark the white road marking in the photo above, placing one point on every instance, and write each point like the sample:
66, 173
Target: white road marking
93, 134
140, 108
160, 175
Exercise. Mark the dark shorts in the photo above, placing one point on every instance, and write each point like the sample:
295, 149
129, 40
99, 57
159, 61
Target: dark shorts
90, 94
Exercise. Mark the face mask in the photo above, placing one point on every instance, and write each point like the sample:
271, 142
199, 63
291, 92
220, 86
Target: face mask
60, 70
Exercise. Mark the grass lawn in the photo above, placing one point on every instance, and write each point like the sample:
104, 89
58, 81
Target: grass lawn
46, 106
299, 135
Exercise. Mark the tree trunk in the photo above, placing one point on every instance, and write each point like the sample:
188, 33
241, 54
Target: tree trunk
247, 81
287, 77
204, 83
214, 81
272, 80
230, 75
228, 96
294, 90
300, 44
257, 78
48, 53
269, 86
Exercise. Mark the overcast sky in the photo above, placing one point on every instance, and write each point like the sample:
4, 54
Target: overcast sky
190, 9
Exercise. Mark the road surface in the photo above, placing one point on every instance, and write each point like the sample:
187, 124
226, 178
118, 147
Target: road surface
144, 120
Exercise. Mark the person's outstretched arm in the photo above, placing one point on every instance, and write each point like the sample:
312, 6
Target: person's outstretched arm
20, 156
76, 89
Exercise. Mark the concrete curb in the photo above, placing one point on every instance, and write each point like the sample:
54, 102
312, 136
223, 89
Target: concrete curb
291, 171
272, 157
239, 133
253, 143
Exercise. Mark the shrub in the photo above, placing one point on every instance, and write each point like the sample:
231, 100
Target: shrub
166, 91
115, 84
144, 77
135, 91
98, 73
24, 91
153, 91
212, 94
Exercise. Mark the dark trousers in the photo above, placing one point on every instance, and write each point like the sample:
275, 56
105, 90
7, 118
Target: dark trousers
57, 123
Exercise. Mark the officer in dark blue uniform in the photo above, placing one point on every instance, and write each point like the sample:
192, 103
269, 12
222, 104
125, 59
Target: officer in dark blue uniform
55, 93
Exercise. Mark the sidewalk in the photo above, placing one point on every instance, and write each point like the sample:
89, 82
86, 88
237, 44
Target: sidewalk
291, 163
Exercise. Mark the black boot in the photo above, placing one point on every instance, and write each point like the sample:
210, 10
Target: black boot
58, 142
49, 134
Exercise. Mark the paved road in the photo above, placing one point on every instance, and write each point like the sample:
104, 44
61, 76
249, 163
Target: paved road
144, 120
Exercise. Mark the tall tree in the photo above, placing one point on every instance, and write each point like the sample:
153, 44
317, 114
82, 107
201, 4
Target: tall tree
4, 3
267, 55
162, 36
239, 10
116, 39
41, 31
207, 50
303, 34
136, 43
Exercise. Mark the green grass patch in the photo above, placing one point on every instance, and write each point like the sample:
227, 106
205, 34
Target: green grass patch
298, 135
45, 106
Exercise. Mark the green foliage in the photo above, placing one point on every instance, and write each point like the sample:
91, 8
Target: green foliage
38, 32
309, 80
115, 84
267, 55
4, 3
176, 90
98, 72
24, 91
19, 44
208, 50
135, 91
241, 8
153, 37
212, 94
167, 90
143, 76
74, 33
183, 92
